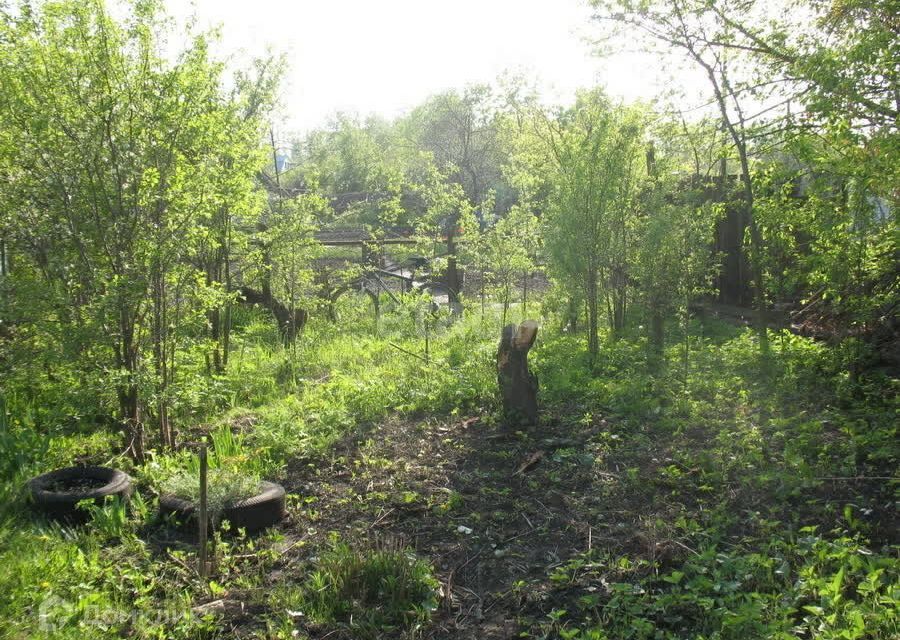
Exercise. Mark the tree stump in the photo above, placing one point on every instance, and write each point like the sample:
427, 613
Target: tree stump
518, 386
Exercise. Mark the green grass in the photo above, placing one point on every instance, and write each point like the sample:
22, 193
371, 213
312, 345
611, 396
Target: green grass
224, 488
775, 475
103, 580
813, 585
733, 458
336, 380
371, 592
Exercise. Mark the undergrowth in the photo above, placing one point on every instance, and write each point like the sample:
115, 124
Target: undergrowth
777, 478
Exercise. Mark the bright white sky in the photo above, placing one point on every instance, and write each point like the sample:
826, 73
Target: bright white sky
387, 56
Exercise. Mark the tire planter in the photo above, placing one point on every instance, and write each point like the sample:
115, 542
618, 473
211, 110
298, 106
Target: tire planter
52, 497
251, 514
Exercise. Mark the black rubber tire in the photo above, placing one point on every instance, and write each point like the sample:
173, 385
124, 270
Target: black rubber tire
63, 505
259, 512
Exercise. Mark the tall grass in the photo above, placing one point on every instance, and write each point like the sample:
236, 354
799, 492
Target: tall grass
338, 379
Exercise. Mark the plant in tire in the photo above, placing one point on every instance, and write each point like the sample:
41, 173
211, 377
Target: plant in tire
225, 487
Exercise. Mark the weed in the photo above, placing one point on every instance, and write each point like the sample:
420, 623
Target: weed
371, 591
224, 487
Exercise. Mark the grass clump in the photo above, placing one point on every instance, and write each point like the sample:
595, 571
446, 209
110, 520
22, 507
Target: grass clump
233, 475
225, 487
371, 591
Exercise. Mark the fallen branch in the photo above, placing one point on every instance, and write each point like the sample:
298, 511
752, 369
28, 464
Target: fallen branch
380, 519
878, 478
414, 355
530, 463
687, 548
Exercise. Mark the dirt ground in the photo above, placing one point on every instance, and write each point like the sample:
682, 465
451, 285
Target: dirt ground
495, 510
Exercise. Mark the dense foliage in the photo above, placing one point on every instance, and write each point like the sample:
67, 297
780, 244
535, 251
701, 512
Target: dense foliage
323, 311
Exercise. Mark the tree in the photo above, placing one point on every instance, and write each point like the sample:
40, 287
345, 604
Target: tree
597, 150
448, 213
356, 166
840, 156
673, 257
702, 31
509, 247
113, 162
251, 98
838, 58
460, 132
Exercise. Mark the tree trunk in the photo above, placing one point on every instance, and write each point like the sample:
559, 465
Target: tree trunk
289, 322
518, 386
226, 330
657, 330
506, 297
4, 260
160, 355
453, 280
593, 340
4, 271
483, 276
756, 240
130, 412
127, 389
214, 319
572, 315
524, 293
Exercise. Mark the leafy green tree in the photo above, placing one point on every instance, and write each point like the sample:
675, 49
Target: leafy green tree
459, 131
448, 216
822, 78
673, 257
510, 245
701, 30
837, 58
113, 162
597, 149
252, 96
356, 165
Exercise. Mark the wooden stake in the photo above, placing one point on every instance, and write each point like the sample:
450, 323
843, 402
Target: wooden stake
202, 520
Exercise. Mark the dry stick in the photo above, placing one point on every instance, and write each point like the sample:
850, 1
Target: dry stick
385, 287
852, 478
528, 521
380, 519
687, 548
180, 562
414, 355
202, 567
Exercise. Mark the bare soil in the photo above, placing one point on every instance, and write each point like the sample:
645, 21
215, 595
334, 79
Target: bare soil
494, 509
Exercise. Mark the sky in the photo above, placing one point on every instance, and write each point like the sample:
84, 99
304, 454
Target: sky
384, 57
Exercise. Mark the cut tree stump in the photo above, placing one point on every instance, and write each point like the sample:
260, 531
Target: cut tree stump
518, 386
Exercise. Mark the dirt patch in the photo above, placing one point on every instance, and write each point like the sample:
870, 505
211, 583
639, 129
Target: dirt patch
507, 517
494, 510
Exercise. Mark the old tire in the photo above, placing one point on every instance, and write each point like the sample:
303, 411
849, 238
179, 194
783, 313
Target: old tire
263, 510
63, 505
